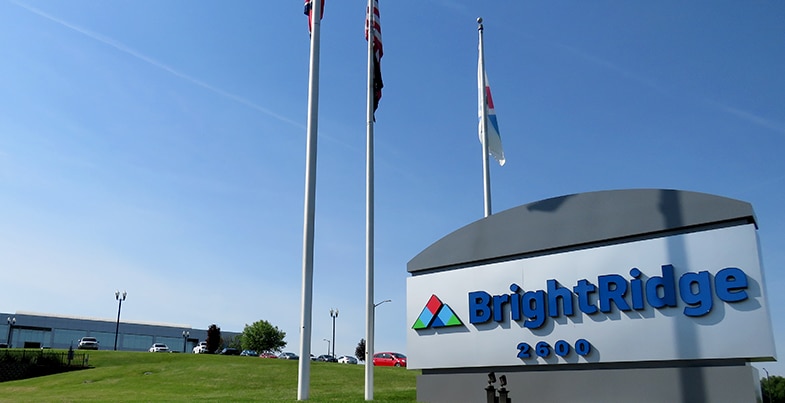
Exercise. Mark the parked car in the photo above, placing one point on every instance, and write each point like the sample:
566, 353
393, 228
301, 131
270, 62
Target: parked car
88, 343
326, 358
288, 356
201, 348
159, 348
248, 353
389, 359
347, 359
268, 354
230, 351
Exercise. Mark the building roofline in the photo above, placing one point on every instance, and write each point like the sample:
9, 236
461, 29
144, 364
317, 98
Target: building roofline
135, 322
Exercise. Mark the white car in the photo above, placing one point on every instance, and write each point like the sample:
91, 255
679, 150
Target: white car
88, 343
347, 359
201, 348
159, 348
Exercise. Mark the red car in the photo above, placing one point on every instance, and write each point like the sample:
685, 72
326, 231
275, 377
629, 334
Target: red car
268, 355
388, 359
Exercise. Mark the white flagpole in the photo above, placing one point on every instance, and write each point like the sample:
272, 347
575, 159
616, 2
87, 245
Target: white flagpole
304, 369
486, 172
369, 244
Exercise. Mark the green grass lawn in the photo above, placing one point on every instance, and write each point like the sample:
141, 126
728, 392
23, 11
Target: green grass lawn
158, 377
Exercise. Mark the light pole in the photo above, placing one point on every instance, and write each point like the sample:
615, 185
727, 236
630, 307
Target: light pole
328, 345
11, 322
186, 334
120, 298
370, 330
333, 314
768, 386
373, 326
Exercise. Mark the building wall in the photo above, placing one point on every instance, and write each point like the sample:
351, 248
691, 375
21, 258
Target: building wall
62, 332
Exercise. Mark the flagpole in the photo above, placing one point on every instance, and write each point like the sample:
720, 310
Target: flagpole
369, 212
486, 172
304, 366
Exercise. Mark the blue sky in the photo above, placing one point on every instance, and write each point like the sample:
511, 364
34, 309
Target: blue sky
158, 147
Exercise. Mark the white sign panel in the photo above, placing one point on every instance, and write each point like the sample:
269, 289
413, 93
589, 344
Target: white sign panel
692, 296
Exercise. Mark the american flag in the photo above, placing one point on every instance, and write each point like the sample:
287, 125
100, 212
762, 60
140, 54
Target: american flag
378, 52
308, 9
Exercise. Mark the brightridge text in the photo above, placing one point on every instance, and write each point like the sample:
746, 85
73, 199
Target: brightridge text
612, 290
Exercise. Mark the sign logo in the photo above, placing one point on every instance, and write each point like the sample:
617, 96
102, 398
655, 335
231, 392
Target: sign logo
436, 314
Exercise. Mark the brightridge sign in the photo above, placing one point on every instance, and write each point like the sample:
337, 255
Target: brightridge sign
685, 296
612, 290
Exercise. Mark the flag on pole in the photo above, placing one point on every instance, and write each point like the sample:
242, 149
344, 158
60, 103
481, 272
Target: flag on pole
378, 52
309, 11
494, 139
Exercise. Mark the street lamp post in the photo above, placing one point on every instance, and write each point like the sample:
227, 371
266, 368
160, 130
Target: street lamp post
371, 332
11, 322
328, 345
333, 314
120, 298
186, 334
768, 385
373, 326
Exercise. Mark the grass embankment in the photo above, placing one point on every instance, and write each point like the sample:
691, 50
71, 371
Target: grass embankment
158, 377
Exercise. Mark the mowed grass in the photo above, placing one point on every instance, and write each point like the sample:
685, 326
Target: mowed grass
159, 377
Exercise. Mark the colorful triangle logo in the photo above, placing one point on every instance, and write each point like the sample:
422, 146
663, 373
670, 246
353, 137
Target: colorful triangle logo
436, 314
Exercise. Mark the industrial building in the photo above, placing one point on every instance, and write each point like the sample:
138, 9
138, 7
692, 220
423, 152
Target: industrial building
37, 330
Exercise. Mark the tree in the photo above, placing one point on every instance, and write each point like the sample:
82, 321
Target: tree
359, 352
213, 338
234, 342
773, 389
262, 336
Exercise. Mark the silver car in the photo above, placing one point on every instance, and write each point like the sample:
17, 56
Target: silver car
288, 356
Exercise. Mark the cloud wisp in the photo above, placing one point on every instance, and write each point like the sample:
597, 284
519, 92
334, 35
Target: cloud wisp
654, 85
750, 117
129, 51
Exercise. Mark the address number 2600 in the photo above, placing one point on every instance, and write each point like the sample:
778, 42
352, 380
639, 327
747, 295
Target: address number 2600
561, 349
